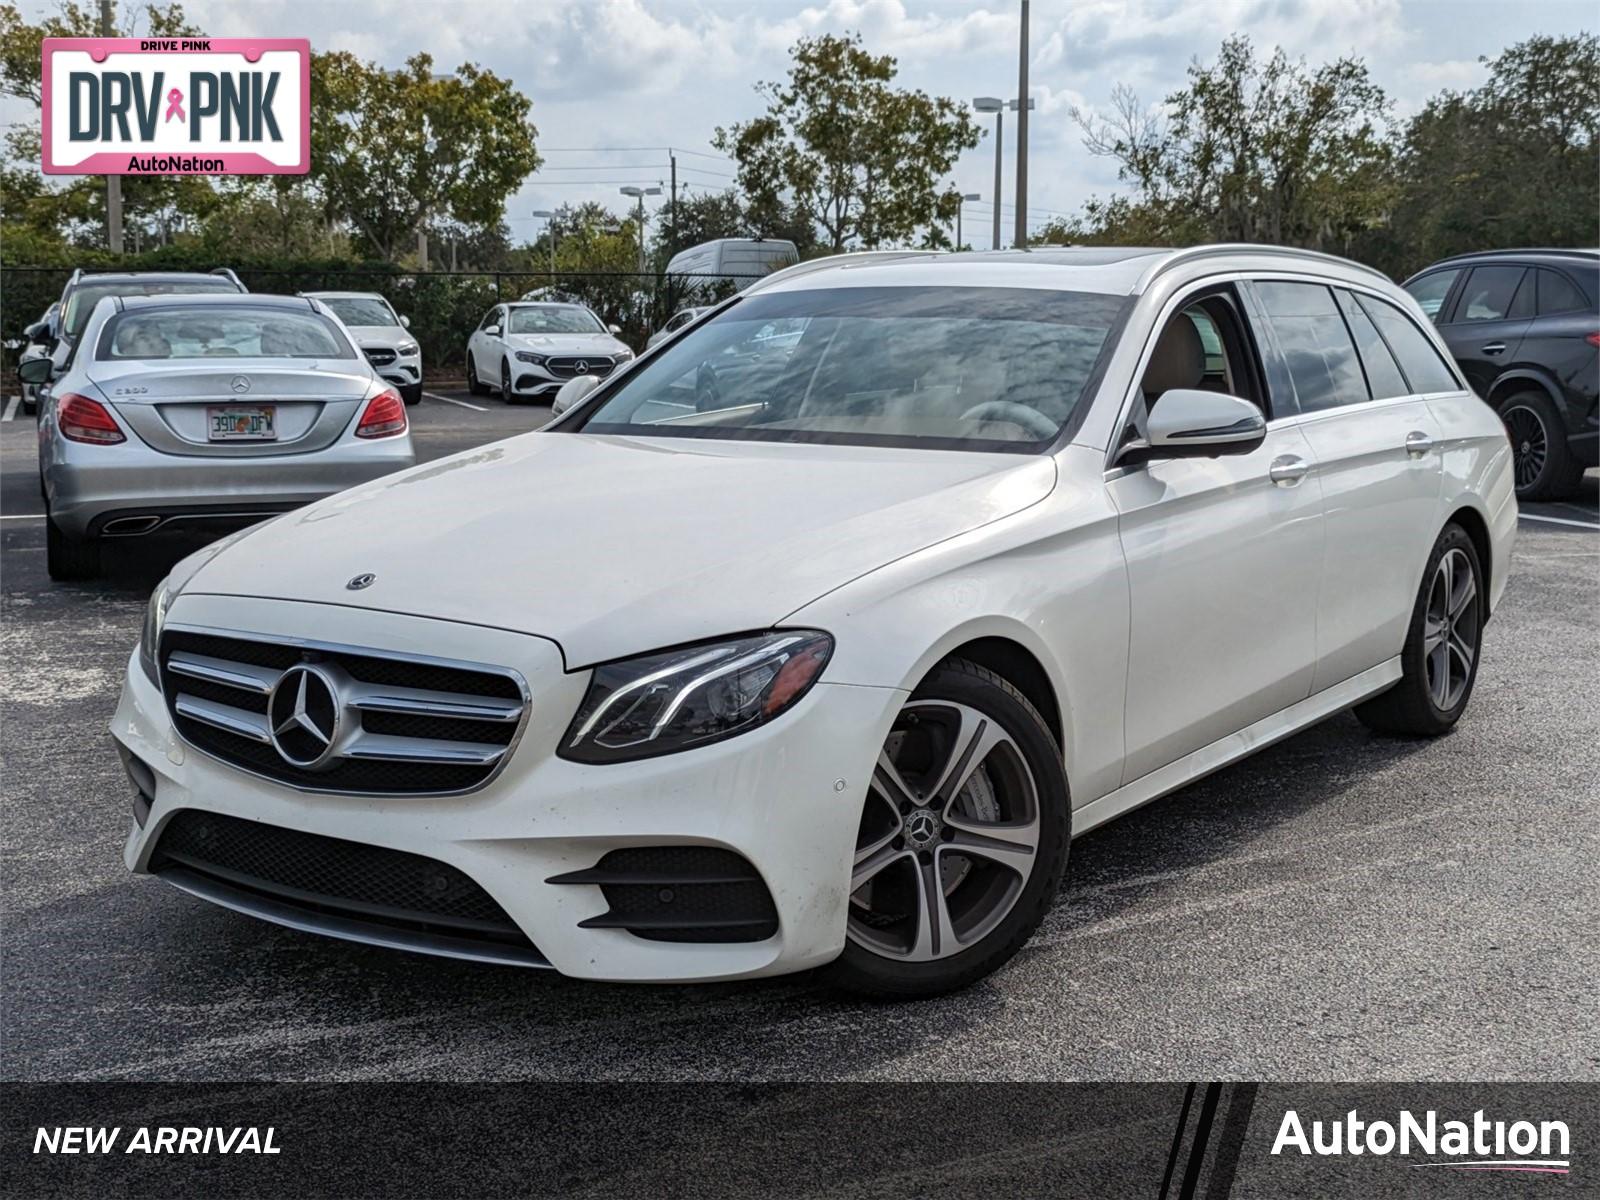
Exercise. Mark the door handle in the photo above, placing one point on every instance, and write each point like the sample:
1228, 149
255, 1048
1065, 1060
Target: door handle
1495, 348
1287, 470
1418, 443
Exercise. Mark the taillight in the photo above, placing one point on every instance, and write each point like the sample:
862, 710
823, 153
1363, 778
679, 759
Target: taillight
1593, 339
81, 419
385, 416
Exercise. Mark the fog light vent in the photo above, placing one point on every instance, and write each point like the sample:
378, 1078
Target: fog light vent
680, 894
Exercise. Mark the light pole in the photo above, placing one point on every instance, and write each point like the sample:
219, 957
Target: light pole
965, 196
997, 106
639, 194
1021, 238
550, 231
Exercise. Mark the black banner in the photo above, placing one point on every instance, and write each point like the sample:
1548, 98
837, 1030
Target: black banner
1168, 1141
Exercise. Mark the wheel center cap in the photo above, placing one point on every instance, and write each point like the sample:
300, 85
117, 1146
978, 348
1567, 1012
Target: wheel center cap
1526, 446
922, 828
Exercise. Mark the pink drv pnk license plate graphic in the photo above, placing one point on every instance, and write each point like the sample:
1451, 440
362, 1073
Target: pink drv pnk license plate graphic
188, 106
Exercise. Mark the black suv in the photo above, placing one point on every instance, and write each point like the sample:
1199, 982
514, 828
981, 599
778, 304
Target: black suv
1525, 327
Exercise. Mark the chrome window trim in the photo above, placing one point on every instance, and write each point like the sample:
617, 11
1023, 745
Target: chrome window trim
426, 660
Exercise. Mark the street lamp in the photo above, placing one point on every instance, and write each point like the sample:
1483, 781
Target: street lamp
639, 194
997, 106
965, 196
549, 228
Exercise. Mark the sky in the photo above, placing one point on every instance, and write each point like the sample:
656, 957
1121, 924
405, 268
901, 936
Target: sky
614, 83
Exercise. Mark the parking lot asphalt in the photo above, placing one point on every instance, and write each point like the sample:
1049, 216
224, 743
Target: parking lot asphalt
1341, 906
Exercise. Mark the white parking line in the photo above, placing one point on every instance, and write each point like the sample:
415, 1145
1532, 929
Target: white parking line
1557, 521
11, 409
24, 517
449, 400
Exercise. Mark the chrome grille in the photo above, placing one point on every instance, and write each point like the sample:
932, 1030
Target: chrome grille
389, 724
380, 358
565, 366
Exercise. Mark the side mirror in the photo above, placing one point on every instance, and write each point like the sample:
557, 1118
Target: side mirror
492, 330
36, 331
405, 322
614, 330
35, 370
571, 392
1189, 423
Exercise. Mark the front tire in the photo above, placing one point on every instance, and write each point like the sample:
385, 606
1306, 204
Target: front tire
1543, 463
475, 385
66, 559
506, 394
411, 393
1440, 658
963, 839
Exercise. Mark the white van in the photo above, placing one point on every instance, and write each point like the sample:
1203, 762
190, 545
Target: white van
740, 261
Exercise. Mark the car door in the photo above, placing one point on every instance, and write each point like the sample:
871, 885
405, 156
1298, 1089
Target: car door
480, 346
1223, 555
1377, 450
1490, 314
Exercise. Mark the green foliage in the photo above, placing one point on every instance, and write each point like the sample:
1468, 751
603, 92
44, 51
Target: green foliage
392, 150
863, 160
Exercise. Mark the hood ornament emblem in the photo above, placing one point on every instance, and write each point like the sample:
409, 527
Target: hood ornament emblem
361, 581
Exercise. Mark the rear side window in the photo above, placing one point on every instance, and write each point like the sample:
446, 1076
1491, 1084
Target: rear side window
1383, 374
1431, 290
1488, 294
1557, 294
1425, 370
1315, 344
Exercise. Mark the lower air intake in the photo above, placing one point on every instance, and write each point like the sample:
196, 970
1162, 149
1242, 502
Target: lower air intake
680, 894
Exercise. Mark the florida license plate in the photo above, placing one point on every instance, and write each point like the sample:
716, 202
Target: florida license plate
233, 424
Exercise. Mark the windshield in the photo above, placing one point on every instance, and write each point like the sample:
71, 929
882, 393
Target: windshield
364, 310
86, 295
943, 367
554, 318
221, 333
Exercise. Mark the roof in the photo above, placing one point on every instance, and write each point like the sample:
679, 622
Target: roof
215, 300
346, 296
119, 276
1117, 270
1532, 252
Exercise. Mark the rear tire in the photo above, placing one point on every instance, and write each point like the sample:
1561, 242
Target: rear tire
928, 915
67, 559
475, 385
1443, 646
1543, 463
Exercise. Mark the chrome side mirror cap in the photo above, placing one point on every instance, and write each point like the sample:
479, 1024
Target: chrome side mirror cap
571, 392
405, 321
1189, 423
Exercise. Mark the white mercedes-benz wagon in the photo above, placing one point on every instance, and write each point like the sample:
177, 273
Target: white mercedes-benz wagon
965, 555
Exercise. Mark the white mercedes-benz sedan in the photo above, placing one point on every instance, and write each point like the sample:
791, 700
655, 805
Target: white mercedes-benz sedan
830, 674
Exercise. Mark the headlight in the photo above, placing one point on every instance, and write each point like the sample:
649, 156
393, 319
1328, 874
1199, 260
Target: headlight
694, 695
621, 354
406, 349
528, 356
168, 590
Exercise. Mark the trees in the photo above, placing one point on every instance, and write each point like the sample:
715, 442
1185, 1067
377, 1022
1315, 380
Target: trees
857, 157
1252, 150
1515, 162
392, 150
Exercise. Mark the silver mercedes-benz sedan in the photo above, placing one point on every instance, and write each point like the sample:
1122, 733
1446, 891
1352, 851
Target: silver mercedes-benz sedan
210, 411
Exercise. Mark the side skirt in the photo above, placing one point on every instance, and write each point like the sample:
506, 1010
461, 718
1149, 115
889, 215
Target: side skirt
1220, 753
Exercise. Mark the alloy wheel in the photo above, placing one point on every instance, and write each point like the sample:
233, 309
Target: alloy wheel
1450, 629
1530, 444
949, 836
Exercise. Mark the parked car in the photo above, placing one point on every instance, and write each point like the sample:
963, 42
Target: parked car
84, 290
832, 678
731, 262
209, 411
37, 339
678, 320
1525, 327
382, 335
532, 349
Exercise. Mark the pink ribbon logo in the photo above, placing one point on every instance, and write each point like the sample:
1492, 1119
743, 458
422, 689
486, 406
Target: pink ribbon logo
175, 105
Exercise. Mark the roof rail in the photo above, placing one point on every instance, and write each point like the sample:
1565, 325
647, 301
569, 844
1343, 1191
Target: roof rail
1190, 254
1575, 251
813, 265
228, 272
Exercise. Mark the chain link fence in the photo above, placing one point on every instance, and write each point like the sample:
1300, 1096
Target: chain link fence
444, 307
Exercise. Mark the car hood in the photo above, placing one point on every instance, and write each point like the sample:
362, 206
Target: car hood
565, 343
614, 546
379, 335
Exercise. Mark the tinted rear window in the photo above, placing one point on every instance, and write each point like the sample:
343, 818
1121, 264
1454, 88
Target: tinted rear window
1383, 374
1557, 294
1425, 369
1315, 344
1488, 294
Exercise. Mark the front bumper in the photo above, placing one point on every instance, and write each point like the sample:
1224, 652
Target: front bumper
787, 797
89, 485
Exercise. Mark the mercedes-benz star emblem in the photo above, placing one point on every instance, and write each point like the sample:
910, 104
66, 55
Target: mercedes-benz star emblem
239, 383
303, 712
922, 828
581, 367
362, 581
